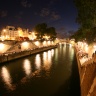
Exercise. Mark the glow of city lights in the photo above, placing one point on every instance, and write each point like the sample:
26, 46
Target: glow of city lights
2, 38
38, 61
37, 43
25, 45
49, 42
6, 77
44, 43
32, 36
4, 30
86, 48
94, 46
46, 37
1, 46
27, 66
20, 32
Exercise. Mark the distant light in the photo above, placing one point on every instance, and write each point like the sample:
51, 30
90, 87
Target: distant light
94, 46
37, 43
25, 45
4, 30
38, 61
27, 66
44, 43
1, 46
49, 42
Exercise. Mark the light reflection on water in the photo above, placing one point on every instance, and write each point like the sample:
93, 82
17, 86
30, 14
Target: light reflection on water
39, 67
47, 60
27, 66
38, 61
7, 78
52, 52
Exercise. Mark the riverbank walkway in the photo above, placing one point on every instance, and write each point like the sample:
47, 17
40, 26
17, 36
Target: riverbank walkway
21, 49
84, 58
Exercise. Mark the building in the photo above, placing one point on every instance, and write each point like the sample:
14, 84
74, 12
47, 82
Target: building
11, 33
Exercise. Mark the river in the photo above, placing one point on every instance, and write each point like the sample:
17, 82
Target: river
50, 73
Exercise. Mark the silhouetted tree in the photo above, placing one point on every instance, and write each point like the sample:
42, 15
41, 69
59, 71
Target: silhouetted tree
42, 30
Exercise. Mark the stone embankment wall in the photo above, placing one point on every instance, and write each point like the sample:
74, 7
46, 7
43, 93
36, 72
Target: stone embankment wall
87, 74
8, 57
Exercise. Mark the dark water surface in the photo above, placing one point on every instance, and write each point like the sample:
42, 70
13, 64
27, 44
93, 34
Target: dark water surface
50, 73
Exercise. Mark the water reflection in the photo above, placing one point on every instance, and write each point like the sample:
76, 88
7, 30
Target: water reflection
46, 71
52, 51
49, 56
38, 61
47, 59
6, 78
64, 49
71, 52
27, 66
56, 54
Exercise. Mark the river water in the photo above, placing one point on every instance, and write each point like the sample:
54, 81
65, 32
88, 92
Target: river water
50, 73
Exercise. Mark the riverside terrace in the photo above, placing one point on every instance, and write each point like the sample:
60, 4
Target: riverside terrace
10, 50
87, 70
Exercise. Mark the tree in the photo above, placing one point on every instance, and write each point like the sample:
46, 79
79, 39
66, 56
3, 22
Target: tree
51, 32
87, 20
86, 13
42, 30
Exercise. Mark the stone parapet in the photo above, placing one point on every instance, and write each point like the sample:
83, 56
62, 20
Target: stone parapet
87, 75
15, 55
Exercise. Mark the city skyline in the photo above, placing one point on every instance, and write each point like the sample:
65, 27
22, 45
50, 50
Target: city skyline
60, 14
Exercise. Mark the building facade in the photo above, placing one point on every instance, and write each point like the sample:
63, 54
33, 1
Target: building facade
11, 33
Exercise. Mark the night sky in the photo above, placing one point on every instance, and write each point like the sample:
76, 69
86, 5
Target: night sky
60, 14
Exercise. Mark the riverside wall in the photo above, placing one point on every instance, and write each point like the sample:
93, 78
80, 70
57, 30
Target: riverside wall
87, 75
15, 55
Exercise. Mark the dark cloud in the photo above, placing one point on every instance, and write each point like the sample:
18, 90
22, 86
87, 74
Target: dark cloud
55, 16
62, 29
19, 15
3, 13
26, 3
53, 1
45, 12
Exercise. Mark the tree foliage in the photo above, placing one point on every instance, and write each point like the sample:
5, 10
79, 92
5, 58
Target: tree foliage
42, 30
51, 32
86, 13
87, 19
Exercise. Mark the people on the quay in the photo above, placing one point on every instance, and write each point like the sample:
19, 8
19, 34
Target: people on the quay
94, 57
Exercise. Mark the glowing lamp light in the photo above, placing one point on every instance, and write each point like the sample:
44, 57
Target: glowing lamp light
37, 43
44, 43
4, 30
49, 42
1, 46
25, 45
94, 46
